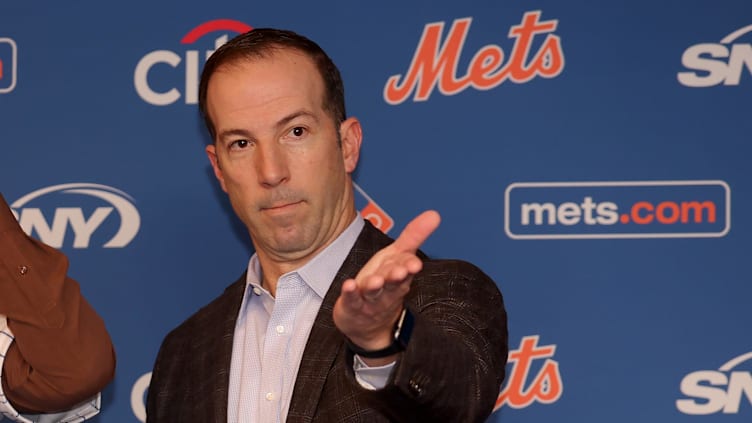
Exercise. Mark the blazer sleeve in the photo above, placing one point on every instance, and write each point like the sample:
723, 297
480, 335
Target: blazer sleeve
454, 363
58, 352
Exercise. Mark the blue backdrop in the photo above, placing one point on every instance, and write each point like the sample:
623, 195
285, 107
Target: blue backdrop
592, 157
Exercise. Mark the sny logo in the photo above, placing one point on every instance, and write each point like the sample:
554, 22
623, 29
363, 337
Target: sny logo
145, 71
712, 391
546, 387
716, 63
436, 63
8, 65
33, 221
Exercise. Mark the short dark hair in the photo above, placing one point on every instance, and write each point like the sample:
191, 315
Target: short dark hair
262, 42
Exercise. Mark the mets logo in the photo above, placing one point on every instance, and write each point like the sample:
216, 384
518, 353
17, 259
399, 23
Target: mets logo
435, 61
545, 387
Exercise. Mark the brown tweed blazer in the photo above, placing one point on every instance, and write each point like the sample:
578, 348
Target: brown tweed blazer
451, 370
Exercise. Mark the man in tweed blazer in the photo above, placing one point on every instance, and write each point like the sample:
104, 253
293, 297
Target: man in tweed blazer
387, 334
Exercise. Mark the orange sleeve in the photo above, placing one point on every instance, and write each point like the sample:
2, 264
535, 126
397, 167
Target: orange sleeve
62, 354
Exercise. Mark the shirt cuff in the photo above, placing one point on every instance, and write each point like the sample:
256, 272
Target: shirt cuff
371, 378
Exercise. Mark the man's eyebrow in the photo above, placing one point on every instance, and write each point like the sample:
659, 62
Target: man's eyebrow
233, 132
294, 115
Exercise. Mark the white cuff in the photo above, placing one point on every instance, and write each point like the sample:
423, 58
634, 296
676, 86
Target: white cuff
371, 378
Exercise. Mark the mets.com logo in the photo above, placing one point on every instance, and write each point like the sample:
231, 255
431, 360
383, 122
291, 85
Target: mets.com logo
8, 64
78, 214
711, 64
155, 79
643, 209
718, 391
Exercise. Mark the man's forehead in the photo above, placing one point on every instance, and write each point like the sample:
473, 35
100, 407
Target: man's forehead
269, 93
263, 57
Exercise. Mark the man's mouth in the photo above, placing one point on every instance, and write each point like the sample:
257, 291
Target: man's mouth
280, 207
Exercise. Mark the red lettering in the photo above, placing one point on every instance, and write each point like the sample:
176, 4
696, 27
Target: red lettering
545, 388
435, 62
697, 208
550, 52
429, 63
642, 205
483, 65
663, 217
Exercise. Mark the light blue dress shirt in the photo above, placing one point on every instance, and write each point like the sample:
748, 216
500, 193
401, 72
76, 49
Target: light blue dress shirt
271, 333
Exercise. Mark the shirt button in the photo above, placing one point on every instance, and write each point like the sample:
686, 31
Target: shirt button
256, 290
270, 396
280, 329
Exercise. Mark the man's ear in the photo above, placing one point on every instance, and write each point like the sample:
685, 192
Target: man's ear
351, 135
211, 152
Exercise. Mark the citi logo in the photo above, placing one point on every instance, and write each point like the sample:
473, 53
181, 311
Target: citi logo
149, 72
8, 65
67, 216
545, 387
641, 209
711, 64
371, 211
714, 391
435, 61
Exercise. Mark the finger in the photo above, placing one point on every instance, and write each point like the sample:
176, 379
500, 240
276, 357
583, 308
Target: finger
399, 289
410, 265
417, 231
370, 285
373, 296
350, 295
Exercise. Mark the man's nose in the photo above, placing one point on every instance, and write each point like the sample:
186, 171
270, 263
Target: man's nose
271, 165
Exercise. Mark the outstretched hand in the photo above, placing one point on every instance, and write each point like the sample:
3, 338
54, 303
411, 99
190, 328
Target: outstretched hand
369, 305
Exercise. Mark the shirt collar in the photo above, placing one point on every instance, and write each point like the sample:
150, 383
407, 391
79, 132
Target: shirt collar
320, 271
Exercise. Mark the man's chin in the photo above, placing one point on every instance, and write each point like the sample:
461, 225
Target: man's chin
291, 241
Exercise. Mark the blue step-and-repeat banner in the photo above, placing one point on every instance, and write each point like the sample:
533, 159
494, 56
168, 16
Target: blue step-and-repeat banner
593, 157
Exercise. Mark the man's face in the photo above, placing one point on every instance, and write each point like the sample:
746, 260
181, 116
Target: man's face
276, 154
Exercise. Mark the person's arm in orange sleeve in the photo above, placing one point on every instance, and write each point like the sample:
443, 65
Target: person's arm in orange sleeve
60, 353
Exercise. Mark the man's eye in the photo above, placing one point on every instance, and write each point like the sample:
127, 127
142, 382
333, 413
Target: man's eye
239, 144
297, 131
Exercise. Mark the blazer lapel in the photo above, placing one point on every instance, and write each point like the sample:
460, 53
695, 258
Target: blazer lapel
218, 372
325, 341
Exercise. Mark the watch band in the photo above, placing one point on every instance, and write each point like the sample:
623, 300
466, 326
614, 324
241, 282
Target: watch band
403, 329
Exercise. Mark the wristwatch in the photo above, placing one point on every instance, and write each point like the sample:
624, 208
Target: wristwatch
402, 331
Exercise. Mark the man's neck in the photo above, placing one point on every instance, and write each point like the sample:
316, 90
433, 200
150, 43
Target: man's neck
274, 266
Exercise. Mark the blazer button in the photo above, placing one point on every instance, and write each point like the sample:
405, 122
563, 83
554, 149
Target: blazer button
415, 388
23, 269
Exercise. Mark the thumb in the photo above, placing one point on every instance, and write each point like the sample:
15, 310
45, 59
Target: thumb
417, 231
